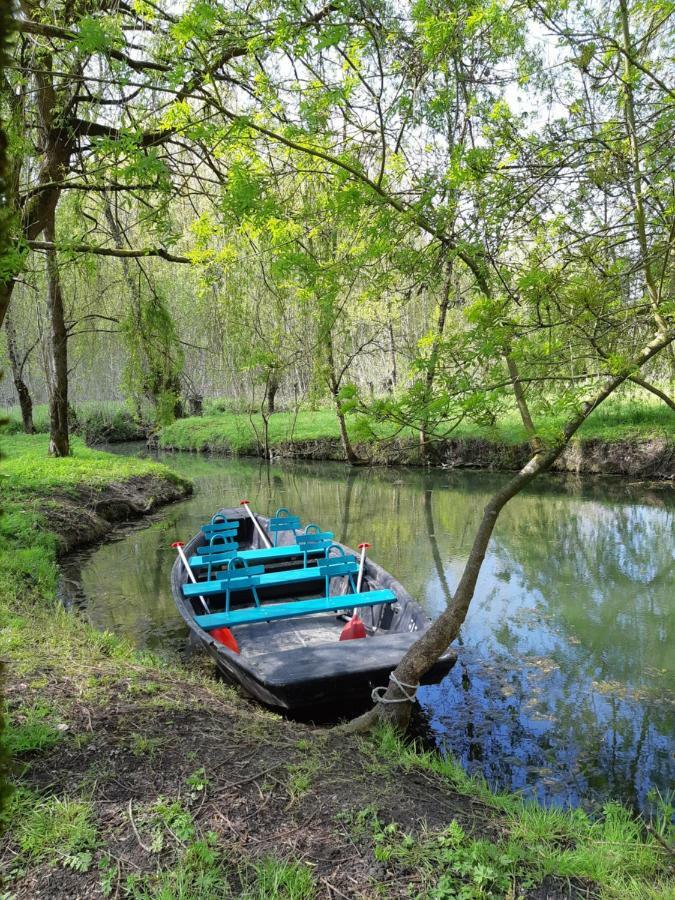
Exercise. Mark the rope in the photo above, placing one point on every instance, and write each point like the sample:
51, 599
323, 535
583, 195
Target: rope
378, 693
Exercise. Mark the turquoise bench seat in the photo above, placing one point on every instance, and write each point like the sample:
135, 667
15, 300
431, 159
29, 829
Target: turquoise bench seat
209, 529
306, 543
274, 554
242, 579
294, 608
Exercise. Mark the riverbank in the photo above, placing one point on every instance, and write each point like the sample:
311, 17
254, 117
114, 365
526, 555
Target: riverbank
642, 446
140, 779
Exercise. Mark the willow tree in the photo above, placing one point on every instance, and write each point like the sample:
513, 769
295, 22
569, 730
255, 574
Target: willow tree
98, 93
588, 294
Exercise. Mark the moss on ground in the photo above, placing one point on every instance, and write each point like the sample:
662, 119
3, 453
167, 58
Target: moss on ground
139, 779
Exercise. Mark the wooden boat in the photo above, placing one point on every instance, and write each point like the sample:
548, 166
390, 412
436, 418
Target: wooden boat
286, 607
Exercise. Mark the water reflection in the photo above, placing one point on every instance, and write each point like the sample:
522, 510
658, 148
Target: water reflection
565, 687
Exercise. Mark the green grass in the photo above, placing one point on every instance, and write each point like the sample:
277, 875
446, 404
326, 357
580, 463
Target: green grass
225, 432
29, 480
612, 850
32, 729
59, 831
283, 880
26, 468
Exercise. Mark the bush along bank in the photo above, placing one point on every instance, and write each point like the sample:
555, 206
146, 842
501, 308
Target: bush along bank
611, 445
96, 423
138, 779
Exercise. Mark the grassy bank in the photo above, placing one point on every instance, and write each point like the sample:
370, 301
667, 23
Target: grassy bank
137, 779
315, 433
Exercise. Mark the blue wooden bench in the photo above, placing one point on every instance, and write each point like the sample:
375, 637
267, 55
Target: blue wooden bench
275, 554
281, 521
240, 579
309, 544
226, 529
289, 610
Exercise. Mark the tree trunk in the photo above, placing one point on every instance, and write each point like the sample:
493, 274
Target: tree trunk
648, 386
272, 388
349, 451
59, 441
58, 147
392, 353
25, 400
334, 385
523, 408
443, 631
433, 359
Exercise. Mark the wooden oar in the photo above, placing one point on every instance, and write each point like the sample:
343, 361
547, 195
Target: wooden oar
178, 545
263, 536
355, 627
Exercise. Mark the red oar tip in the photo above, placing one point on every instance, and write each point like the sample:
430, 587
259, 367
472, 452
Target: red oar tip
244, 502
367, 546
177, 544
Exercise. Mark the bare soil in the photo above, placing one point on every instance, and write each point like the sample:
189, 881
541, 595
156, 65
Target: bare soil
249, 801
85, 516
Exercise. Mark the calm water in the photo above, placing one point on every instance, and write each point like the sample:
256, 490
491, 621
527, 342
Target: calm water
565, 686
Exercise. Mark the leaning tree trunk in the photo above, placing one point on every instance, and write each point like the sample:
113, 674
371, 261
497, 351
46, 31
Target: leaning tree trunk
444, 630
59, 441
350, 453
523, 408
25, 400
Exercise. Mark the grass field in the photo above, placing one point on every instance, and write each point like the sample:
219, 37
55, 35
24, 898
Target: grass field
224, 430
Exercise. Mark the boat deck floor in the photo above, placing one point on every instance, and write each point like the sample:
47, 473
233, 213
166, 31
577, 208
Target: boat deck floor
260, 638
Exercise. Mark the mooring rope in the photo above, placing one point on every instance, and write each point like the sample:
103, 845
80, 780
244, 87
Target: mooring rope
378, 693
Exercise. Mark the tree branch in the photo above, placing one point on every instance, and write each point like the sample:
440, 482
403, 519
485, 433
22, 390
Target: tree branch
110, 251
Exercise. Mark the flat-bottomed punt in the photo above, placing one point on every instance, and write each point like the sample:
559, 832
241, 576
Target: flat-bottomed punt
285, 594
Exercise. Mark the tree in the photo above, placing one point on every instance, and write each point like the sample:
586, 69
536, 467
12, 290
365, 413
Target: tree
18, 357
6, 30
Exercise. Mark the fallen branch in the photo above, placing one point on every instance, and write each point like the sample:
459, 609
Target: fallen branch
138, 837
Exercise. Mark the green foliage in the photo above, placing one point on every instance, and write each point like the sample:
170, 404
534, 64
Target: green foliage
612, 851
59, 831
32, 729
155, 358
451, 862
96, 423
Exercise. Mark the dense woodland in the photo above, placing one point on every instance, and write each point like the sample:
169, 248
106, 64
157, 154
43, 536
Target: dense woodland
425, 212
